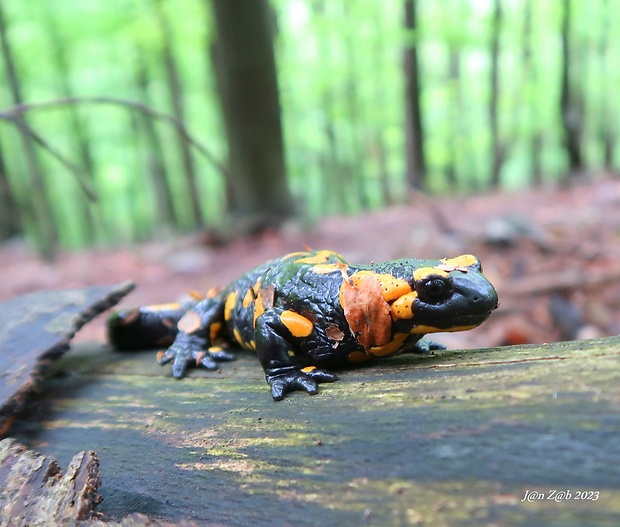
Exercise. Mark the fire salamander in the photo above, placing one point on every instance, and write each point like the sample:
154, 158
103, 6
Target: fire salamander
310, 309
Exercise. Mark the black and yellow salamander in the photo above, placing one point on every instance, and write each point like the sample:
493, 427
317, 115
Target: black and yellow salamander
310, 309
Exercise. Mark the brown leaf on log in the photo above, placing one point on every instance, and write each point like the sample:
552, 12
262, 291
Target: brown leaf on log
366, 312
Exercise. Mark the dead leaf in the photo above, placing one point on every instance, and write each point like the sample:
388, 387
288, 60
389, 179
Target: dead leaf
334, 332
366, 312
268, 296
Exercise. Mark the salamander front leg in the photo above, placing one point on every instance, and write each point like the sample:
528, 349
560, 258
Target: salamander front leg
426, 346
193, 343
283, 369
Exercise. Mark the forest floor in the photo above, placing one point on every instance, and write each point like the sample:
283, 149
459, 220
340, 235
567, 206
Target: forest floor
553, 255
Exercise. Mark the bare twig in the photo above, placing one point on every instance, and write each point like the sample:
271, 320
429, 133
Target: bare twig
11, 113
69, 165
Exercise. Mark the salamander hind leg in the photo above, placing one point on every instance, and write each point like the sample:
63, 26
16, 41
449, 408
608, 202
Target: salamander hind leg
193, 343
278, 334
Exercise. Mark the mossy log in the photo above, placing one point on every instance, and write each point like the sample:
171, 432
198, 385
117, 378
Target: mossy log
34, 492
457, 438
37, 328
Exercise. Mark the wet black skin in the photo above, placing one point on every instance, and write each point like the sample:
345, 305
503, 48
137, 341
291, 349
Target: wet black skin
448, 300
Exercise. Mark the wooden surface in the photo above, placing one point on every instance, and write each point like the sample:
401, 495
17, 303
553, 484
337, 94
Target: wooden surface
37, 328
34, 492
455, 439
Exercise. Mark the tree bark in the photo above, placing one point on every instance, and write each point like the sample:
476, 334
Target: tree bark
165, 212
10, 218
453, 438
79, 133
414, 130
456, 104
39, 209
570, 107
608, 124
498, 149
530, 73
177, 101
247, 81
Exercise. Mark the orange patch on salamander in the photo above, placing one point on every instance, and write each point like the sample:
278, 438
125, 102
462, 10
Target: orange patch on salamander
214, 330
459, 263
190, 322
298, 325
391, 287
248, 298
230, 304
318, 258
325, 268
391, 347
402, 308
425, 272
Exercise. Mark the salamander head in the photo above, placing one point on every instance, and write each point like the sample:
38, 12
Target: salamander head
446, 295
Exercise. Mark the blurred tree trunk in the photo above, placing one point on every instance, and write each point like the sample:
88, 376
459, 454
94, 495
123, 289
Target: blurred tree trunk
79, 133
247, 80
530, 76
354, 165
177, 101
416, 162
376, 135
456, 113
498, 149
571, 104
10, 220
379, 152
38, 210
156, 164
608, 122
334, 173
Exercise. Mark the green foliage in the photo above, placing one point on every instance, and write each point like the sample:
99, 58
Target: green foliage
342, 93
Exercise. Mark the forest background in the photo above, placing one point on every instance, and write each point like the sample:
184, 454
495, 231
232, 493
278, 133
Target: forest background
123, 119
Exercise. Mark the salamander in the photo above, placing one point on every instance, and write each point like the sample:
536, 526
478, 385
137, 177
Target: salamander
312, 309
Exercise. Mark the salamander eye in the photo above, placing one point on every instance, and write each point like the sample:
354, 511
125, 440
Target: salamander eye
434, 290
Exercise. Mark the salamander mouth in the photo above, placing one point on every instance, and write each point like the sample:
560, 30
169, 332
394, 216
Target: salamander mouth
454, 323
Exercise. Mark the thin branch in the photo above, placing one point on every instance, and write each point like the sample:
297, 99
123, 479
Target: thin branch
72, 167
11, 113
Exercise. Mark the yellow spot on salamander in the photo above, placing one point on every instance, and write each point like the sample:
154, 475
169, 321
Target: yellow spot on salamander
308, 369
291, 353
357, 357
423, 329
214, 330
230, 304
325, 268
252, 344
402, 308
425, 272
259, 309
195, 295
391, 347
294, 255
237, 336
190, 322
248, 298
391, 287
318, 258
465, 260
213, 292
298, 325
